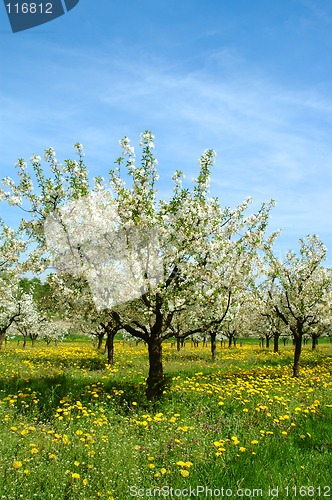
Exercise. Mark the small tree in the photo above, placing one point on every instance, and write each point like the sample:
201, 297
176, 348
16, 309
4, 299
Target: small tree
11, 248
29, 323
301, 287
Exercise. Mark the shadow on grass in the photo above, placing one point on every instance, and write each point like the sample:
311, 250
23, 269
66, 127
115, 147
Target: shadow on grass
317, 434
44, 394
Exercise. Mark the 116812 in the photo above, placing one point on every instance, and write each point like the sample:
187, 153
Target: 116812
30, 8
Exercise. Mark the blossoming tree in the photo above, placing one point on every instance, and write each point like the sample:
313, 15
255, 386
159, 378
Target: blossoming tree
11, 248
300, 290
146, 260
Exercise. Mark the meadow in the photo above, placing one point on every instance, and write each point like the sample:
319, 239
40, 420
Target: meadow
74, 428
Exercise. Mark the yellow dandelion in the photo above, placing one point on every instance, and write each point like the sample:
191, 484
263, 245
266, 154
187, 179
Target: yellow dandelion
17, 464
181, 464
184, 473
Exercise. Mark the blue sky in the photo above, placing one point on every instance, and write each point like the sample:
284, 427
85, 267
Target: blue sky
250, 79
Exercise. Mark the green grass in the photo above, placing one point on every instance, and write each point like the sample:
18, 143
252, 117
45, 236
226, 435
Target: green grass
71, 428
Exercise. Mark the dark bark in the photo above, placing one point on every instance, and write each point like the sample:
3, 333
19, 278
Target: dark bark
100, 341
178, 344
155, 381
267, 338
276, 342
314, 342
213, 336
110, 329
297, 354
110, 346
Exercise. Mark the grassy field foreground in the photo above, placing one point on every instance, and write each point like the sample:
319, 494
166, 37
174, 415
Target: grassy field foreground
73, 428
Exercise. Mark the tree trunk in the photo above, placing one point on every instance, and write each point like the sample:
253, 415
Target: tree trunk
297, 354
178, 344
100, 342
24, 342
213, 336
2, 338
314, 342
155, 380
276, 342
267, 338
110, 347
230, 341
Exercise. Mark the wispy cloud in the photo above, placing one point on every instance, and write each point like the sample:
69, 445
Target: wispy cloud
272, 141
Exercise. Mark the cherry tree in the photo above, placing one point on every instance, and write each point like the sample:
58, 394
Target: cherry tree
74, 302
54, 331
146, 260
300, 290
11, 248
265, 322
